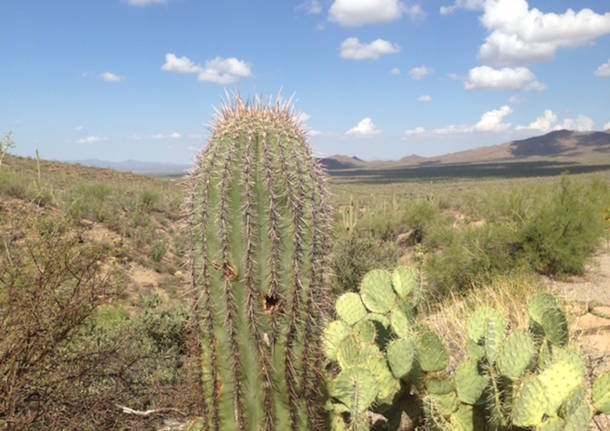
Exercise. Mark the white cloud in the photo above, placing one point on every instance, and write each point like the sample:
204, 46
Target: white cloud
219, 70
416, 131
144, 3
420, 72
424, 98
110, 77
179, 64
365, 127
79, 128
463, 4
395, 71
355, 13
520, 35
607, 126
453, 129
492, 121
310, 7
314, 132
549, 121
543, 123
352, 49
603, 70
582, 123
159, 136
224, 71
506, 78
91, 140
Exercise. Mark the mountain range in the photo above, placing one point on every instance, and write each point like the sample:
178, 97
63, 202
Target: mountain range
559, 145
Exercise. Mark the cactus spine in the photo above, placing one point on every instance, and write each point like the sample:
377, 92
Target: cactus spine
258, 229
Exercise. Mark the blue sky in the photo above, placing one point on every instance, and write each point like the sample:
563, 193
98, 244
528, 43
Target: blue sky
121, 79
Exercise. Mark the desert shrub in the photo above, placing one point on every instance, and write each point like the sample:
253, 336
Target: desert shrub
566, 229
158, 250
355, 254
553, 231
91, 201
148, 200
69, 352
13, 185
421, 216
472, 257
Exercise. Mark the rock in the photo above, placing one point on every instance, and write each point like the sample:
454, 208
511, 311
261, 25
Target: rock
406, 238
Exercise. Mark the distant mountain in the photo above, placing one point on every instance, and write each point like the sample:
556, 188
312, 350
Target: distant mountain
136, 166
339, 161
564, 145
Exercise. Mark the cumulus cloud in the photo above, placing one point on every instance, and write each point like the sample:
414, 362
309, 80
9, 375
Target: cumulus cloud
582, 123
144, 3
490, 122
224, 71
310, 7
353, 49
543, 123
219, 70
603, 71
395, 71
91, 140
424, 98
110, 77
506, 78
356, 13
415, 131
550, 121
493, 121
519, 35
179, 64
462, 4
365, 127
607, 126
314, 132
420, 72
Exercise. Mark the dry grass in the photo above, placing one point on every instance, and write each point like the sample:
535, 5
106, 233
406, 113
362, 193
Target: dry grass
449, 316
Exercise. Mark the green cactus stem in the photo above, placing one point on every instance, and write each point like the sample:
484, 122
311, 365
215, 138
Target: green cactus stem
258, 228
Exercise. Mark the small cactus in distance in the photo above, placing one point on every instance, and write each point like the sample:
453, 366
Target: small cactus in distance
258, 229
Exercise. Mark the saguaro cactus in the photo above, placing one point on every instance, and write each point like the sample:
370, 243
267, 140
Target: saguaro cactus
259, 231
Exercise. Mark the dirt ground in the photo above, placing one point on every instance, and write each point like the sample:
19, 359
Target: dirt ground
589, 302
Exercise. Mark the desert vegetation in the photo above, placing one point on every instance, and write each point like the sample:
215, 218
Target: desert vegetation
260, 294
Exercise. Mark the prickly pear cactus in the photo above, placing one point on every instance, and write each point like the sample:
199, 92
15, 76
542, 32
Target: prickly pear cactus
372, 344
258, 229
530, 380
